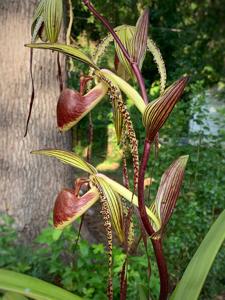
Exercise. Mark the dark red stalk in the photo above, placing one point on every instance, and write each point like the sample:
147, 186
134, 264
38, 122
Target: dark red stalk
141, 201
162, 267
157, 244
133, 64
123, 281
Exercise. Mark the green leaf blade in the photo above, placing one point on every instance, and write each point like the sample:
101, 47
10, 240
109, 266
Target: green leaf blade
13, 296
31, 287
194, 276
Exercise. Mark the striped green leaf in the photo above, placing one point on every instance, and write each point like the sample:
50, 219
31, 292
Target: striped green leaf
65, 49
157, 111
194, 276
52, 14
69, 158
32, 287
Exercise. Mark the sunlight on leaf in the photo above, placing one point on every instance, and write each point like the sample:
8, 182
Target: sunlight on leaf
69, 158
65, 49
197, 270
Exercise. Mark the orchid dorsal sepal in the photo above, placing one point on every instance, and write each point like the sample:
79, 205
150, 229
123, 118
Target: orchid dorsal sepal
73, 106
134, 39
68, 50
168, 192
69, 206
141, 37
126, 35
126, 88
38, 20
47, 20
69, 158
114, 205
157, 111
129, 196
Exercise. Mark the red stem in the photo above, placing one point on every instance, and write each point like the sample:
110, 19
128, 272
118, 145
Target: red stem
157, 244
162, 267
133, 64
141, 196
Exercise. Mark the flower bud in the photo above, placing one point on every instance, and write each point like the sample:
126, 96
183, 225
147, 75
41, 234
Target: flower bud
169, 189
47, 20
157, 111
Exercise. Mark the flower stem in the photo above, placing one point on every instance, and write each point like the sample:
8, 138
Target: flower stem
162, 267
141, 178
157, 244
133, 64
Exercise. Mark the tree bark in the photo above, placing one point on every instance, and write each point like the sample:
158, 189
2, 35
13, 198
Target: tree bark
29, 184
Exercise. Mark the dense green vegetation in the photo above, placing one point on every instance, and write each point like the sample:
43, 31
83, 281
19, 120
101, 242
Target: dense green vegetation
80, 268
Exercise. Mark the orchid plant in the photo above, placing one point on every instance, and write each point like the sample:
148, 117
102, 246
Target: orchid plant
131, 45
120, 203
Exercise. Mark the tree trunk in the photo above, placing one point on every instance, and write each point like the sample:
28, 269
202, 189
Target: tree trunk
29, 184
